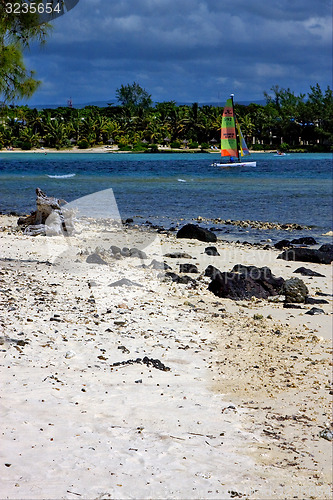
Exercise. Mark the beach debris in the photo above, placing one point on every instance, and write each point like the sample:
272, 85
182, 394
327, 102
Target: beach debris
124, 282
308, 272
193, 231
315, 310
324, 255
70, 354
92, 283
124, 349
326, 434
155, 363
49, 218
244, 282
188, 268
95, 258
211, 251
295, 290
236, 494
4, 340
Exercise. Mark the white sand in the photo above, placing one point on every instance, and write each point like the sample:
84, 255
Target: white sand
238, 414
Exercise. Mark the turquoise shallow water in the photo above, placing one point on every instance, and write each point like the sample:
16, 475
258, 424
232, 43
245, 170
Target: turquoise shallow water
165, 188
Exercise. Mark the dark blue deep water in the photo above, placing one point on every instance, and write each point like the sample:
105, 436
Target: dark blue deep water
166, 188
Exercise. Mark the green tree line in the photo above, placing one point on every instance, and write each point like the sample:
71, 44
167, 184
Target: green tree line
286, 121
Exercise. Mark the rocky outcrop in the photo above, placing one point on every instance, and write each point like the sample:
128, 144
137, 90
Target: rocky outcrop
305, 240
295, 291
212, 272
244, 282
193, 231
324, 255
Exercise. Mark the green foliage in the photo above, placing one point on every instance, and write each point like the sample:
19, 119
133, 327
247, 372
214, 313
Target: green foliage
133, 96
24, 145
83, 144
293, 121
17, 30
284, 147
140, 146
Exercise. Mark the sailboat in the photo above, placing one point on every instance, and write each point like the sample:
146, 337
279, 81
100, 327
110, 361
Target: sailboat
233, 144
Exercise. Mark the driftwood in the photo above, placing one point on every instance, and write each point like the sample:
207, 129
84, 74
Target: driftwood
49, 218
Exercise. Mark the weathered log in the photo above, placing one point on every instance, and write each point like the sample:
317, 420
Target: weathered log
49, 218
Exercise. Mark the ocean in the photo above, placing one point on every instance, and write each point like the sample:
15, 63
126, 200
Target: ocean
167, 189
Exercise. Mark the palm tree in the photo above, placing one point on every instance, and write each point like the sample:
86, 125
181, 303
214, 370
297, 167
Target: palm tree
57, 134
248, 127
28, 139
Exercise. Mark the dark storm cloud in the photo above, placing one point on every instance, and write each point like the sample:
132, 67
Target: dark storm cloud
193, 50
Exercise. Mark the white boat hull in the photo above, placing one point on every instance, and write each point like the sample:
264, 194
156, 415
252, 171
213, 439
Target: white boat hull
235, 164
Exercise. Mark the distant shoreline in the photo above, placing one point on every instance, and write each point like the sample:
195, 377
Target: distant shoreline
108, 150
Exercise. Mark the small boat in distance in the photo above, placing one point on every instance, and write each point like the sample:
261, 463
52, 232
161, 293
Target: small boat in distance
233, 144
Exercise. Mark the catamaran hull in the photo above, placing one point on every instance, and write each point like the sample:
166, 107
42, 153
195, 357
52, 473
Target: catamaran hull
235, 164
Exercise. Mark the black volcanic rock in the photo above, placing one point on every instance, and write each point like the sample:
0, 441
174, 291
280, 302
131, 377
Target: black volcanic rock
306, 240
188, 268
193, 231
308, 272
315, 310
307, 255
327, 247
211, 251
184, 280
244, 282
94, 258
282, 244
212, 272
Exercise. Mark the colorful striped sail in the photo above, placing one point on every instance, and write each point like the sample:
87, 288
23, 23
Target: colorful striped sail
228, 131
244, 150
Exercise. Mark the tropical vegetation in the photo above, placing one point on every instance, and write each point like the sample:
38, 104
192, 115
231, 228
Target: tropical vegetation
286, 121
18, 29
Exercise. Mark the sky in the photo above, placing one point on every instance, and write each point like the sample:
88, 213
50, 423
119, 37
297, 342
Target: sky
184, 50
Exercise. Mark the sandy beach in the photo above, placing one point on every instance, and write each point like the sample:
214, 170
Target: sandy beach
114, 149
148, 388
